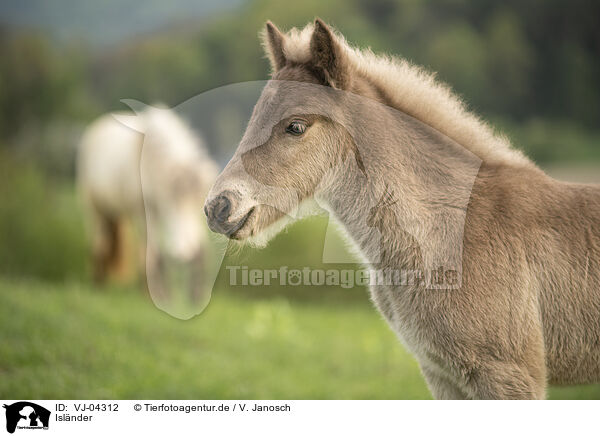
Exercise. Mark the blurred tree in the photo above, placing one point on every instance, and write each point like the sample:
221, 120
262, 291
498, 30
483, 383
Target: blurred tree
39, 82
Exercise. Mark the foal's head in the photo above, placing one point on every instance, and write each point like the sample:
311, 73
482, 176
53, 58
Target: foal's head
296, 137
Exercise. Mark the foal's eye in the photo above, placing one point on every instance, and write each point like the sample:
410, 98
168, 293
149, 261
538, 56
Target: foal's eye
296, 128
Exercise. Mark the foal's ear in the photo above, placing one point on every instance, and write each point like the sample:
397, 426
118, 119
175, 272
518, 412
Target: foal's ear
328, 55
272, 40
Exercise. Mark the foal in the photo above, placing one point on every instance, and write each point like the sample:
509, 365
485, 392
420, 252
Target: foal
420, 183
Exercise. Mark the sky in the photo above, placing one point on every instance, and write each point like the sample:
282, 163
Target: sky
105, 22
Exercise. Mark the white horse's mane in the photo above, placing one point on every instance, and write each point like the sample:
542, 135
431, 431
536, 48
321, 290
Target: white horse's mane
164, 126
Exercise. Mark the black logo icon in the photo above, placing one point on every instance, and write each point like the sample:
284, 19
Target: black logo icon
24, 414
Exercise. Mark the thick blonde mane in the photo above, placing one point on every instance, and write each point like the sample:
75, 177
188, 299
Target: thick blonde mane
415, 92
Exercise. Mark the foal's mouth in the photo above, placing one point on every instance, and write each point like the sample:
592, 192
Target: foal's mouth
235, 231
255, 222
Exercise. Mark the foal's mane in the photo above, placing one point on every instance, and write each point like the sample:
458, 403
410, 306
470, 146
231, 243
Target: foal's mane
416, 92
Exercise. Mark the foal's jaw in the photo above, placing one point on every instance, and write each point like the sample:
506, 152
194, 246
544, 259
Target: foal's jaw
266, 222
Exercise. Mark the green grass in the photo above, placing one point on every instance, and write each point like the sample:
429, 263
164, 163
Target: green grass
68, 341
72, 342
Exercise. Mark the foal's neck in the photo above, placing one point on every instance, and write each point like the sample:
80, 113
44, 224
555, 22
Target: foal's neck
407, 210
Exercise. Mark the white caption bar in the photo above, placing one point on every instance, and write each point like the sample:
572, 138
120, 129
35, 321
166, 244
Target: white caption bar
299, 417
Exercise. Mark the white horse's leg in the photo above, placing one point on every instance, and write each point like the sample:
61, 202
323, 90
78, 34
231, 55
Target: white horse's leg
102, 245
197, 276
154, 264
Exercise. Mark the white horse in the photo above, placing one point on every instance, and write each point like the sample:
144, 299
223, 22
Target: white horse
152, 170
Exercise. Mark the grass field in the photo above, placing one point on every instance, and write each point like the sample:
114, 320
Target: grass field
69, 341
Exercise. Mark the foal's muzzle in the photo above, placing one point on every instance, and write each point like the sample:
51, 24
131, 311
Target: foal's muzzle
218, 213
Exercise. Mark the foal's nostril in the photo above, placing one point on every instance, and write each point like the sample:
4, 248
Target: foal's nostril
221, 208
